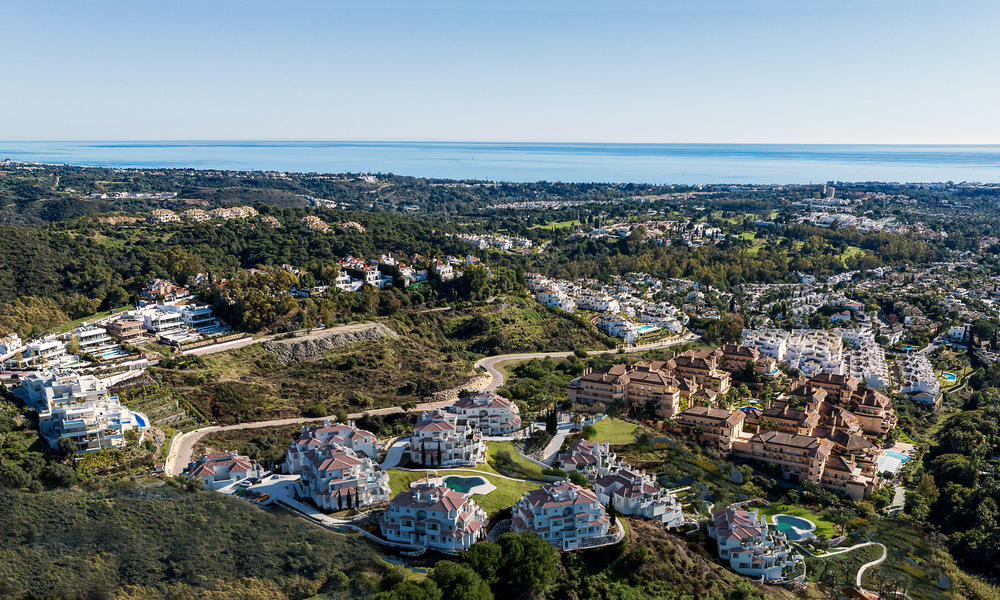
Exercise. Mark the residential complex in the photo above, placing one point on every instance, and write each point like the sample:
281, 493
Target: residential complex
441, 438
634, 493
563, 514
219, 469
592, 459
432, 515
752, 547
336, 477
348, 436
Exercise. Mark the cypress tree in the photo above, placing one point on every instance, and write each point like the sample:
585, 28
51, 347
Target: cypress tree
340, 501
423, 453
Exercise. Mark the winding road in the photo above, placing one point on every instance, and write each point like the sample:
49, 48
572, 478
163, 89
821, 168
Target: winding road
489, 364
182, 447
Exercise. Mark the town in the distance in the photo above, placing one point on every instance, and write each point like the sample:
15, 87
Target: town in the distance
375, 386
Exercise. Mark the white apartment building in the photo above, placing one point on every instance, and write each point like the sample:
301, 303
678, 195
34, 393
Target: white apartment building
752, 547
440, 438
810, 351
78, 407
919, 380
94, 340
336, 477
556, 298
635, 493
164, 322
565, 515
597, 301
10, 346
490, 413
618, 325
664, 316
46, 354
348, 436
432, 515
592, 459
443, 270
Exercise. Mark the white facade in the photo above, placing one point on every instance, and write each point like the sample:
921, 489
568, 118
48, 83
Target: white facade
360, 441
491, 413
440, 438
634, 493
752, 547
94, 340
219, 469
432, 515
77, 407
919, 380
565, 515
336, 477
592, 459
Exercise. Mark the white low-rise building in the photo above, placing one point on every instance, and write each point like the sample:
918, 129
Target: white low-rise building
78, 407
432, 515
592, 459
489, 412
441, 439
348, 436
752, 547
219, 469
563, 514
336, 477
919, 380
634, 493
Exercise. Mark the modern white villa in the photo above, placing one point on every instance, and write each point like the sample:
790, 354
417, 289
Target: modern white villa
79, 407
635, 493
440, 438
752, 547
432, 515
563, 514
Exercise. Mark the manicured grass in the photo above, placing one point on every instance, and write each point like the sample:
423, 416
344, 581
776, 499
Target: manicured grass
614, 431
850, 251
823, 527
558, 225
529, 468
507, 493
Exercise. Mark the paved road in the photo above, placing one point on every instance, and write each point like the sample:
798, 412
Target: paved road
489, 363
183, 447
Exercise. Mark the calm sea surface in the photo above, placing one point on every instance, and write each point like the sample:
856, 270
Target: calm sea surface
639, 163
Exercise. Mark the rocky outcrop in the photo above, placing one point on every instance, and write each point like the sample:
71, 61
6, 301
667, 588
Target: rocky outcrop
307, 347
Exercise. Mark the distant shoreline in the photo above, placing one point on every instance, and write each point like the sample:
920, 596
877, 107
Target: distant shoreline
684, 164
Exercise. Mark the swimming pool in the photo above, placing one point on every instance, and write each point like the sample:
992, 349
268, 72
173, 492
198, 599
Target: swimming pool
465, 484
140, 419
949, 377
897, 455
646, 328
908, 348
795, 528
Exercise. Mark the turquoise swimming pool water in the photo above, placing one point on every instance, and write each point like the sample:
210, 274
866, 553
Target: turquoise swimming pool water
897, 455
463, 484
949, 377
645, 328
139, 420
795, 528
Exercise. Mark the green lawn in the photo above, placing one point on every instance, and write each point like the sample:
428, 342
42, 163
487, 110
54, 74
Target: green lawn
528, 469
850, 251
614, 431
507, 493
823, 527
558, 225
77, 322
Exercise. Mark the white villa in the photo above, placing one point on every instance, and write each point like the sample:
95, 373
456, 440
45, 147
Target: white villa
565, 515
634, 493
752, 547
491, 413
430, 514
220, 469
78, 407
440, 438
348, 436
919, 379
592, 459
336, 477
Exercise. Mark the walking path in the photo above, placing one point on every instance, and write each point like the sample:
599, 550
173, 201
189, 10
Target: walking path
861, 571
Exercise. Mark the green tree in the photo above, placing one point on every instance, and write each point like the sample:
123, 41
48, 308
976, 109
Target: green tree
530, 565
460, 582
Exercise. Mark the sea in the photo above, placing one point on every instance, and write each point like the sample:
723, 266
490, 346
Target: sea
685, 164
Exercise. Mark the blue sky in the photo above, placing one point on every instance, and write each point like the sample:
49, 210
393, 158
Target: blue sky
810, 71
